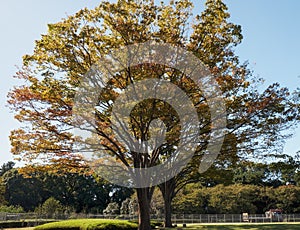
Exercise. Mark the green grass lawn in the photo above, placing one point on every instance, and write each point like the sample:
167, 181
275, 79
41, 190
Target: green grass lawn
31, 228
93, 224
250, 226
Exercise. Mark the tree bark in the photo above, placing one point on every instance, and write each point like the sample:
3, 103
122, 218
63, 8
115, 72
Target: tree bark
144, 198
168, 211
168, 190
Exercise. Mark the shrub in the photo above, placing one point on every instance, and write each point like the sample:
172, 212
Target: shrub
89, 224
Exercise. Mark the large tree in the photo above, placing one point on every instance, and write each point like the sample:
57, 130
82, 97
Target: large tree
64, 55
256, 118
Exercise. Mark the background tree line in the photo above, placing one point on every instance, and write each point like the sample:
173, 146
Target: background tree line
248, 187
76, 192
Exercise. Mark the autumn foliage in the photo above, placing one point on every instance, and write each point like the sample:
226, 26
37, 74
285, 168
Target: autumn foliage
43, 105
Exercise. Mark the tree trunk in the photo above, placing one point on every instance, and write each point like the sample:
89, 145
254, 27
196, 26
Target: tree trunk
144, 198
168, 211
167, 190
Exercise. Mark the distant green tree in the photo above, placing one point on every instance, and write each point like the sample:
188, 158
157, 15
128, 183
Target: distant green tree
234, 198
285, 169
124, 209
247, 172
112, 209
27, 192
194, 198
286, 197
297, 178
51, 208
2, 192
157, 203
118, 194
6, 167
80, 191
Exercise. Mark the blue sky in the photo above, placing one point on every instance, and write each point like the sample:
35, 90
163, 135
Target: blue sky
271, 44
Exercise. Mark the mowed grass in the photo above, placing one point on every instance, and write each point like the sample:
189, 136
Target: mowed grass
30, 228
95, 224
250, 226
89, 224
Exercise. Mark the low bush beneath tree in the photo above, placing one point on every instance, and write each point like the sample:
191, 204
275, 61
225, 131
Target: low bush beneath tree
89, 224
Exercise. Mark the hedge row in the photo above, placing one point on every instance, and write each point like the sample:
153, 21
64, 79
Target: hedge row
21, 224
